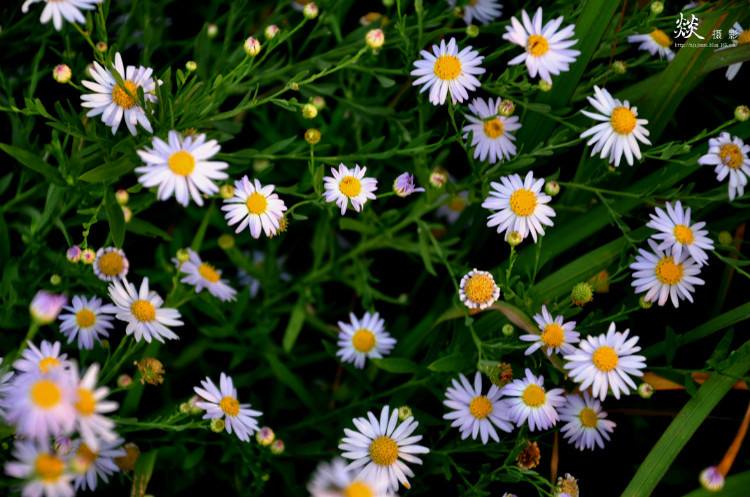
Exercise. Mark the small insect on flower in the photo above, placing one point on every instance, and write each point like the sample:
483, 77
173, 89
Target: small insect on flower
335, 479
655, 42
90, 405
89, 465
110, 264
742, 39
676, 233
221, 403
448, 71
142, 310
547, 50
729, 155
484, 11
586, 425
555, 335
57, 10
664, 276
87, 319
43, 469
202, 275
531, 403
404, 185
363, 339
477, 289
255, 207
45, 306
490, 131
475, 413
619, 129
347, 186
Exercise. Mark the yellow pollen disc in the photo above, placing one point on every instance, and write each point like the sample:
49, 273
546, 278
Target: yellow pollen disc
182, 163
553, 335
256, 203
731, 155
661, 38
363, 340
143, 310
111, 264
208, 273
744, 37
120, 96
480, 407
230, 406
479, 288
447, 67
358, 489
668, 272
350, 186
622, 120
383, 451
523, 202
86, 404
494, 128
605, 358
46, 364
45, 394
85, 318
683, 234
85, 457
533, 395
588, 417
49, 468
537, 45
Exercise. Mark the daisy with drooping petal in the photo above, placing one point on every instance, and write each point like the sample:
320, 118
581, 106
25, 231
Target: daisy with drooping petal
521, 205
363, 339
547, 50
255, 207
382, 447
110, 264
475, 413
90, 404
181, 166
349, 186
555, 335
334, 479
619, 131
117, 101
448, 71
88, 320
729, 155
477, 289
484, 11
664, 276
655, 42
606, 361
42, 359
490, 132
743, 38
222, 403
43, 469
89, 465
203, 275
676, 233
531, 403
586, 425
142, 310
57, 10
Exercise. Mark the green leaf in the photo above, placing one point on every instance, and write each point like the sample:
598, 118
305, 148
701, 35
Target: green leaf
348, 224
115, 217
424, 247
452, 363
108, 172
288, 378
144, 468
396, 365
294, 326
33, 162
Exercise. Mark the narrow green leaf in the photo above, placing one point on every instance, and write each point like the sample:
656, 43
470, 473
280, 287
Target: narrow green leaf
115, 217
294, 326
424, 247
396, 365
33, 162
288, 378
348, 224
451, 363
144, 468
108, 172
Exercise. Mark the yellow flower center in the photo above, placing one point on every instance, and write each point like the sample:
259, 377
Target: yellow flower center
229, 405
537, 45
731, 155
358, 489
523, 202
605, 358
45, 394
588, 417
143, 310
668, 272
181, 163
363, 340
744, 37
49, 468
553, 335
479, 288
48, 363
85, 318
622, 120
85, 457
350, 186
533, 395
457, 203
256, 203
86, 404
661, 38
122, 96
494, 128
447, 67
383, 451
208, 273
480, 407
111, 264
683, 234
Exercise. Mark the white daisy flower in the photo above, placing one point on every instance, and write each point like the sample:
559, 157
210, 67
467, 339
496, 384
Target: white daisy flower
729, 155
110, 264
43, 469
555, 336
477, 289
363, 338
142, 310
663, 276
203, 275
448, 71
484, 11
89, 465
181, 166
547, 50
655, 42
676, 233
5, 385
334, 479
222, 403
521, 204
490, 132
606, 361
586, 425
742, 39
453, 206
531, 403
349, 185
90, 404
88, 320
114, 101
620, 130
57, 10
383, 447
475, 413
254, 206
42, 359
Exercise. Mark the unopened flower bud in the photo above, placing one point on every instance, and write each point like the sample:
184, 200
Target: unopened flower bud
124, 380
55, 279
62, 73
711, 479
45, 306
271, 31
212, 30
645, 390
265, 436
73, 254
319, 102
226, 241
514, 238
122, 196
310, 11
312, 136
88, 256
252, 46
725, 238
191, 65
217, 425
277, 447
226, 191
552, 188
508, 329
506, 108
101, 46
619, 67
309, 111
742, 113
644, 304
472, 30
545, 86
183, 255
438, 177
582, 294
404, 413
600, 282
657, 8
127, 213
375, 39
